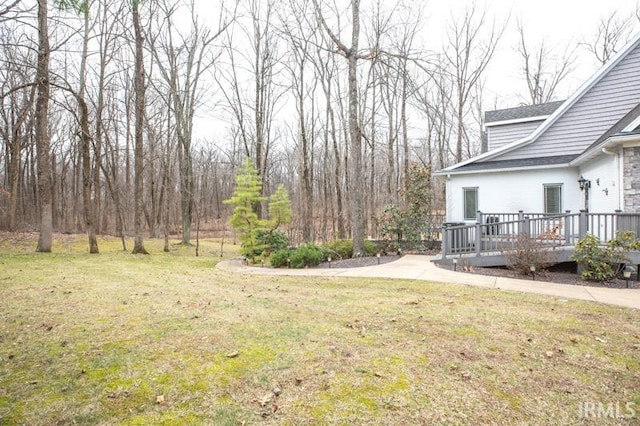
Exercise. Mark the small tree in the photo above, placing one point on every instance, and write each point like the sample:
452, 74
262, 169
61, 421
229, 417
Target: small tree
410, 220
279, 208
245, 198
272, 239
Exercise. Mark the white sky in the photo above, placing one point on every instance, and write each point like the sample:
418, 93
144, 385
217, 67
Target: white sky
558, 22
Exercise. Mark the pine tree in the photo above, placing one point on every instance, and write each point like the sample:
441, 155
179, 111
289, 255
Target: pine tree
245, 199
279, 208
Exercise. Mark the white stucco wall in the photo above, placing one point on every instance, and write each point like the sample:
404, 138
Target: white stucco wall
606, 191
511, 191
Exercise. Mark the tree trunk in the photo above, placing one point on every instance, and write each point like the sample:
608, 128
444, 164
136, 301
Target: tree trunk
85, 144
45, 239
138, 245
355, 133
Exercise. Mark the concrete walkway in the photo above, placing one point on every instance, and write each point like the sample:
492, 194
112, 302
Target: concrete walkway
415, 267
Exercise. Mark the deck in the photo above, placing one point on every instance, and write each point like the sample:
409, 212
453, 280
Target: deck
489, 241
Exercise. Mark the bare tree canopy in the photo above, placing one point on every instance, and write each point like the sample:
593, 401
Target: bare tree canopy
612, 32
542, 70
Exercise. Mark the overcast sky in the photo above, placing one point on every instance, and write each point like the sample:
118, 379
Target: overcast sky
559, 22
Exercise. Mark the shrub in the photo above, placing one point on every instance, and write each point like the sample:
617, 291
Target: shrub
602, 263
304, 256
339, 249
270, 241
343, 249
527, 252
281, 258
307, 255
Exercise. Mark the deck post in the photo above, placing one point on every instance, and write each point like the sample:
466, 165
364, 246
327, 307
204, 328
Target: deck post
445, 240
479, 217
520, 222
526, 226
568, 227
583, 224
478, 238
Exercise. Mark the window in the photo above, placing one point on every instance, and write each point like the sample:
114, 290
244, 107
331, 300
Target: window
470, 203
553, 198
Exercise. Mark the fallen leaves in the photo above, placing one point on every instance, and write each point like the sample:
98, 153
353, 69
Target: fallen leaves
269, 401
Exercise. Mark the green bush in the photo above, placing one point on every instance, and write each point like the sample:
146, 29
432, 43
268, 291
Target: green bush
280, 258
343, 249
271, 241
304, 256
602, 263
307, 255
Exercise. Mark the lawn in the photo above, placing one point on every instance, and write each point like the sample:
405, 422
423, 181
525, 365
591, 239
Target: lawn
168, 339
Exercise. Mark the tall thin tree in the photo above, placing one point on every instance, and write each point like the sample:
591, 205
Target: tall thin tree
43, 89
139, 89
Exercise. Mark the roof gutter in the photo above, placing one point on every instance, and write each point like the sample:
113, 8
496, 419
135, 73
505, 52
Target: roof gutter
607, 147
500, 170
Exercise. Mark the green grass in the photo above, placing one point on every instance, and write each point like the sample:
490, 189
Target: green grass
96, 339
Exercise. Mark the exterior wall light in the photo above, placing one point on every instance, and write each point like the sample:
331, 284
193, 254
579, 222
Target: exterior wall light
584, 183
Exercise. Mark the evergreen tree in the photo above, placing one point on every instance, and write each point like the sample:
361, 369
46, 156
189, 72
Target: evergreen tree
245, 199
279, 208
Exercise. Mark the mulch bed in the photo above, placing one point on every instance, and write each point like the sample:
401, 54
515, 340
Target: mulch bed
558, 277
563, 274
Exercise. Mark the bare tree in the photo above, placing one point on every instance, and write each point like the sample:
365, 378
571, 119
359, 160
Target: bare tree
7, 8
252, 106
139, 89
356, 176
468, 53
612, 32
43, 89
299, 35
542, 71
182, 65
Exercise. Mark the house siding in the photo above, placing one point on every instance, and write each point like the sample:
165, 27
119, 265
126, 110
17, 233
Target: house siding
601, 107
631, 180
499, 136
509, 192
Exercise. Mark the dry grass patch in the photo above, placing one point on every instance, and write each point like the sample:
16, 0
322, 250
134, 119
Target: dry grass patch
167, 339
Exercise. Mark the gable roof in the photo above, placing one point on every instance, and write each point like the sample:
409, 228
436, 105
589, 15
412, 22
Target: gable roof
522, 112
559, 112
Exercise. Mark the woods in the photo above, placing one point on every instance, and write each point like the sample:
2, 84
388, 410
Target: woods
133, 118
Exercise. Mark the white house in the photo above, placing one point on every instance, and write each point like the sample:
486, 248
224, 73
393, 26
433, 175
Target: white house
538, 157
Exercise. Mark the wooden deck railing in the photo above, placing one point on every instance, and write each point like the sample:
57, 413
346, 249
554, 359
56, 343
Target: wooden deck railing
498, 232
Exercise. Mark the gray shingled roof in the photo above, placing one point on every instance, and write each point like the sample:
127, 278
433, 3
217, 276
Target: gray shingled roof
522, 112
523, 162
